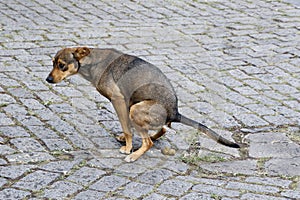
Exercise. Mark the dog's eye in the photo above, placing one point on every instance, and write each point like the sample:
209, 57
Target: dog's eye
61, 66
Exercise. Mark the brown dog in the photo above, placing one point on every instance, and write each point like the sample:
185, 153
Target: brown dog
140, 93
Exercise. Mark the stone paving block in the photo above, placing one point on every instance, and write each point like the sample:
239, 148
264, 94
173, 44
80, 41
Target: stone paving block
42, 132
57, 144
6, 99
253, 187
224, 120
86, 175
32, 157
4, 120
14, 171
35, 85
251, 120
177, 167
277, 120
238, 99
155, 196
62, 166
105, 163
92, 130
80, 141
276, 145
285, 89
286, 112
36, 180
5, 150
269, 181
283, 166
251, 196
89, 195
32, 104
266, 101
130, 169
14, 131
106, 143
6, 82
214, 190
247, 167
291, 194
29, 120
154, 177
197, 196
174, 187
2, 181
61, 189
260, 109
136, 190
77, 119
2, 161
245, 90
109, 183
11, 194
257, 85
62, 108
27, 144
20, 92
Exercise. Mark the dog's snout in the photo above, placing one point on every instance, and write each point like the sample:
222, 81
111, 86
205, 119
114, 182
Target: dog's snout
50, 79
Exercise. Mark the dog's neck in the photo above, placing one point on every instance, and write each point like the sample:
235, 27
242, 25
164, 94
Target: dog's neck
93, 65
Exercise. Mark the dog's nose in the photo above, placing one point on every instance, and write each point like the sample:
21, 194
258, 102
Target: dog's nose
49, 79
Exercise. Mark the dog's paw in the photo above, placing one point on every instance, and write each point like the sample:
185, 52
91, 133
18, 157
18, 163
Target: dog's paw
132, 157
125, 150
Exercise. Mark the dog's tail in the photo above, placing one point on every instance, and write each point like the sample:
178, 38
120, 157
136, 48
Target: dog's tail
212, 134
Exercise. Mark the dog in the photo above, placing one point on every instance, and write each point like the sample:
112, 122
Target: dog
140, 93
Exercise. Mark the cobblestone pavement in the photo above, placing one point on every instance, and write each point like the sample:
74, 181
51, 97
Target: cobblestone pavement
235, 67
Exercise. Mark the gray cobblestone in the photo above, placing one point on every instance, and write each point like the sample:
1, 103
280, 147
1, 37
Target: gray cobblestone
174, 187
196, 196
31, 157
61, 189
14, 171
136, 190
155, 196
214, 190
154, 177
269, 181
250, 196
11, 194
251, 120
272, 145
109, 183
234, 65
242, 167
89, 195
252, 187
27, 144
36, 180
85, 175
14, 131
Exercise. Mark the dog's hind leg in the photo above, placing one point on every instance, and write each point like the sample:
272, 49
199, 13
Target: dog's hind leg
146, 145
160, 133
146, 115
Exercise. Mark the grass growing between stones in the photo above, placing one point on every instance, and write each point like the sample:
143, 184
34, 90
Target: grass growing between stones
195, 159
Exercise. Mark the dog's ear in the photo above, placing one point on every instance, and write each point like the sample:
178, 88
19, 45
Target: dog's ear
81, 52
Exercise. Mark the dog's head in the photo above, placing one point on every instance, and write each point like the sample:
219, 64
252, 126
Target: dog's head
66, 63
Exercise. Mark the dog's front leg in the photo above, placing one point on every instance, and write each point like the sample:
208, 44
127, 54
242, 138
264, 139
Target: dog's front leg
120, 106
